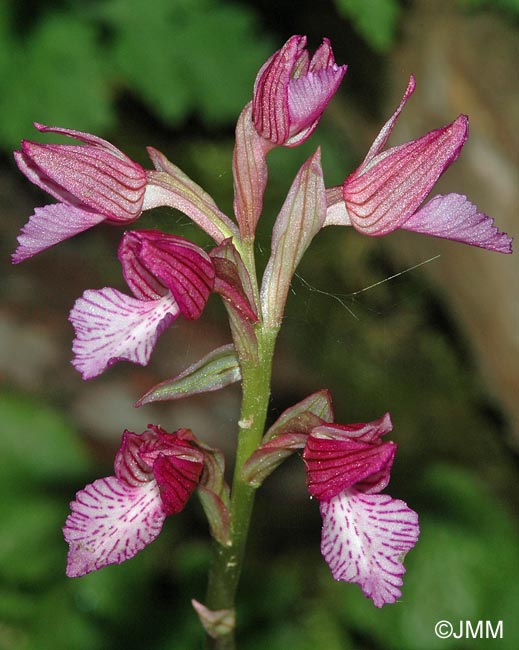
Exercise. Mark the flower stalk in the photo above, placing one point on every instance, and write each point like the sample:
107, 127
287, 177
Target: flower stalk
227, 560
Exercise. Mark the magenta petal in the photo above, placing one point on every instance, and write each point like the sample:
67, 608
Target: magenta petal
50, 225
364, 540
382, 195
155, 263
95, 175
270, 96
308, 96
177, 475
454, 217
111, 326
129, 466
110, 522
185, 269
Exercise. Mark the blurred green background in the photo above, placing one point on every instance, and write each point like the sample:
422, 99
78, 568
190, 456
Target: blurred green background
175, 74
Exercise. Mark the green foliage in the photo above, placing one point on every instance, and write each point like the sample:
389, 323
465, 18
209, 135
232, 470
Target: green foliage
54, 75
178, 57
375, 20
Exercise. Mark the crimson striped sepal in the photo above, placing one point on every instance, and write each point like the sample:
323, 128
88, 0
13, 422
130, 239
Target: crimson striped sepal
338, 457
171, 459
291, 91
382, 194
115, 517
364, 540
93, 182
155, 263
386, 191
95, 175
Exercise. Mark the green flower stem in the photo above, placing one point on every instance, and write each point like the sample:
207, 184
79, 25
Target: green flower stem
227, 560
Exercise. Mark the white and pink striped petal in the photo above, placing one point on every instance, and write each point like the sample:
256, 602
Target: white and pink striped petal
364, 540
50, 225
111, 522
111, 326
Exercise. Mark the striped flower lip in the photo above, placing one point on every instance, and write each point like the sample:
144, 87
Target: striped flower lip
115, 517
93, 182
168, 276
291, 91
365, 535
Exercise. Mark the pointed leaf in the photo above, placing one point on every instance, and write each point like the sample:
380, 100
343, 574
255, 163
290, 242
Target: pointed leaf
300, 219
170, 186
250, 173
216, 370
269, 457
303, 416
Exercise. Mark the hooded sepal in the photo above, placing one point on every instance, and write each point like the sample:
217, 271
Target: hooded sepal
216, 370
291, 91
339, 456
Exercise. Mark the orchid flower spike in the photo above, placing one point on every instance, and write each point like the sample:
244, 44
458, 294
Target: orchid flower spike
168, 276
386, 191
291, 91
93, 182
114, 518
365, 535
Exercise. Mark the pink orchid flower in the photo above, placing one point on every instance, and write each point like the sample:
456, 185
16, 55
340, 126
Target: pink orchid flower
114, 518
386, 191
291, 92
168, 276
93, 182
365, 534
